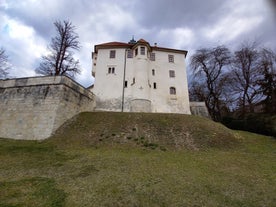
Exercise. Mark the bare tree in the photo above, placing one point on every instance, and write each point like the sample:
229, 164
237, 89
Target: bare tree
60, 61
196, 90
4, 64
267, 82
245, 75
208, 66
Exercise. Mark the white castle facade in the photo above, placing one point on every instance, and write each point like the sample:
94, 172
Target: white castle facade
138, 77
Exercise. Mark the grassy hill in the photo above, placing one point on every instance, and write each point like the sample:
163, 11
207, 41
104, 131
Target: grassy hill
157, 131
115, 159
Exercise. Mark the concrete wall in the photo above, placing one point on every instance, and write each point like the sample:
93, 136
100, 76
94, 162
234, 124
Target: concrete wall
199, 109
140, 105
33, 108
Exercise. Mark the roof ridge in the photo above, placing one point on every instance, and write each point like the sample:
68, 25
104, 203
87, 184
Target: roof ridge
114, 42
142, 40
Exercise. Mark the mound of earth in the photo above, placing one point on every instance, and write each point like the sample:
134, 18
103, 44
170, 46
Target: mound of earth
148, 130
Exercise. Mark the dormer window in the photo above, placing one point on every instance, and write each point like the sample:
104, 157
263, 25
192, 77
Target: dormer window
143, 50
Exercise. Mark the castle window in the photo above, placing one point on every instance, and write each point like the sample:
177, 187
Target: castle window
136, 51
153, 72
172, 73
152, 56
154, 85
172, 90
129, 54
112, 54
171, 58
143, 51
111, 70
133, 80
125, 84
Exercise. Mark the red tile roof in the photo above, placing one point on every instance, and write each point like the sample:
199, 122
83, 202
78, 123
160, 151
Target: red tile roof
114, 44
142, 41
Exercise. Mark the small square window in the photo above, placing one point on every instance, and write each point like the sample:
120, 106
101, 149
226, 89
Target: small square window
143, 50
152, 56
171, 58
172, 73
112, 54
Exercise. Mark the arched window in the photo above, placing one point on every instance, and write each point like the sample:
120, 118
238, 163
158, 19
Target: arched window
111, 70
172, 90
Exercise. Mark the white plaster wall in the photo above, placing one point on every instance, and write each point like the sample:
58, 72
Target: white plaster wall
108, 87
141, 89
162, 100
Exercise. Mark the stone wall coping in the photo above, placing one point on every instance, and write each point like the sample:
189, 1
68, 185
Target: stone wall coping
45, 80
196, 104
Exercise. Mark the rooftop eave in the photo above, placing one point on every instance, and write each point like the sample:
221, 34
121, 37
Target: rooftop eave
111, 45
185, 52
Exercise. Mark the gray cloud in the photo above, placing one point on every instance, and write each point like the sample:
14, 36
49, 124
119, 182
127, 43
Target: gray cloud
273, 3
175, 13
26, 27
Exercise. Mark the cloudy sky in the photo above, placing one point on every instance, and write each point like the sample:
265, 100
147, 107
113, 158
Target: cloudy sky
26, 26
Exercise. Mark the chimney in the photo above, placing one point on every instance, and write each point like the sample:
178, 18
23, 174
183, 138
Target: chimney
155, 44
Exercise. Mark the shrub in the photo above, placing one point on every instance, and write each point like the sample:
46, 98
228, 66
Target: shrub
257, 123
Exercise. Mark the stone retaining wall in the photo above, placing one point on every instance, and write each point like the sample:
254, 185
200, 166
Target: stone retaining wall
33, 108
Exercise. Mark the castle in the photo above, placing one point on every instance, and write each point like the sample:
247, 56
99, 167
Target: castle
138, 77
129, 77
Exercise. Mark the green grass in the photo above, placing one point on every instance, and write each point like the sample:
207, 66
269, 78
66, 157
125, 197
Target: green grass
36, 191
171, 131
83, 171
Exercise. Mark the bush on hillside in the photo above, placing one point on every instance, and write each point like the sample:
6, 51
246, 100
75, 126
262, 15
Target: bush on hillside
257, 123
